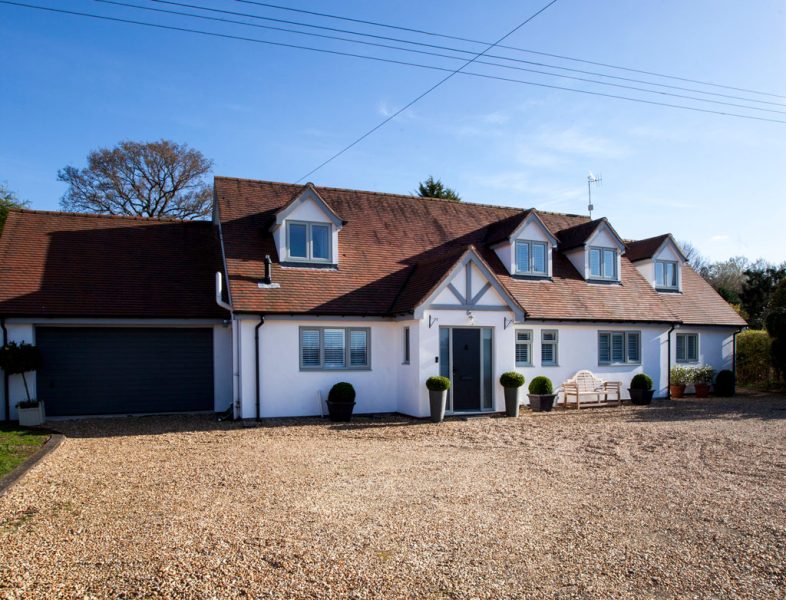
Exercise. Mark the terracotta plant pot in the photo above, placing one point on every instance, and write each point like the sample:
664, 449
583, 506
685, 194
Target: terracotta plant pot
676, 391
702, 390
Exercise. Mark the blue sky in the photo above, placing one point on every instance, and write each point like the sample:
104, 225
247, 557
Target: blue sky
69, 85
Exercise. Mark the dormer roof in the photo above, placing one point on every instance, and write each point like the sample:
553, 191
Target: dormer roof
580, 234
647, 248
307, 192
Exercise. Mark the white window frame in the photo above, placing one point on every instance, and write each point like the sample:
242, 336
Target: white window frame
347, 349
554, 342
603, 275
530, 268
666, 286
625, 347
527, 343
407, 348
686, 359
310, 242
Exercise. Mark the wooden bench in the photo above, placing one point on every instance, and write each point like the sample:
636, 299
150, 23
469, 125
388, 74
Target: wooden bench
585, 389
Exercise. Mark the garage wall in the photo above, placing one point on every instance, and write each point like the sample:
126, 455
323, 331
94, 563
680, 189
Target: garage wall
18, 332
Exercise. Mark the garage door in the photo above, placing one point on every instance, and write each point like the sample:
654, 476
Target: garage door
92, 371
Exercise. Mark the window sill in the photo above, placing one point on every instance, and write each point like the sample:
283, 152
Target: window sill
620, 364
532, 277
332, 369
309, 265
523, 366
604, 281
668, 290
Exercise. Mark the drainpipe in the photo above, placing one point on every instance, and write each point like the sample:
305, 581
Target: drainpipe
734, 356
668, 362
5, 375
256, 361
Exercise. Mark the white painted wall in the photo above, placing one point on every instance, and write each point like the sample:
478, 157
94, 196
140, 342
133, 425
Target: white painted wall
716, 347
18, 332
222, 367
288, 391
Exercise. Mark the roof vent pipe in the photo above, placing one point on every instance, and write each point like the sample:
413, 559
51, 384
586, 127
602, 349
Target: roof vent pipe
268, 265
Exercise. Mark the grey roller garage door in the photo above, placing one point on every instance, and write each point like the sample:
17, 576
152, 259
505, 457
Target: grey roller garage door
99, 370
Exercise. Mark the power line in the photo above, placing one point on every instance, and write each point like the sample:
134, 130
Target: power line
436, 46
386, 60
427, 92
469, 40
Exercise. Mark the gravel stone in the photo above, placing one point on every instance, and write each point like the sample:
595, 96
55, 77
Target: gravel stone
683, 499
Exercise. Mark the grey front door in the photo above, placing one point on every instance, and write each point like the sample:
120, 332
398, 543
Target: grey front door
466, 370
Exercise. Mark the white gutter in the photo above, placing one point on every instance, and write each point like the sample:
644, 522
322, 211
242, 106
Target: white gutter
219, 290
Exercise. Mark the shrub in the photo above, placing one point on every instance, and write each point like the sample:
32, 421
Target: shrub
511, 379
541, 385
342, 393
642, 381
18, 359
753, 357
681, 375
702, 374
724, 383
438, 383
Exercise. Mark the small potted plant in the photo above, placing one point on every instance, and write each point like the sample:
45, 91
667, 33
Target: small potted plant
724, 383
641, 389
702, 379
341, 401
18, 359
511, 382
438, 387
680, 377
541, 394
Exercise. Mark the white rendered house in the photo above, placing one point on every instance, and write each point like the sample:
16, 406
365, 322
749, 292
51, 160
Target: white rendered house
379, 290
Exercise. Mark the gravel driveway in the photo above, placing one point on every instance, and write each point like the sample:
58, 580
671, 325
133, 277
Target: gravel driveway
680, 499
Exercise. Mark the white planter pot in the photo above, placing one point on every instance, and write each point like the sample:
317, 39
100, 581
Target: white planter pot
32, 417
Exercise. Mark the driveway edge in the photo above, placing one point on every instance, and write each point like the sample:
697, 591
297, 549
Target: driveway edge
54, 441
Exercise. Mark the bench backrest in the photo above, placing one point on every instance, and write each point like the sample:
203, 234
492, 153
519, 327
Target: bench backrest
586, 381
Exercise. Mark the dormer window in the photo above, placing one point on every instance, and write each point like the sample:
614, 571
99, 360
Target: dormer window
531, 258
667, 274
603, 264
308, 241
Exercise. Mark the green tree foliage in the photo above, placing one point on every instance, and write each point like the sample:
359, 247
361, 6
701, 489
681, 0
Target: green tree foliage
776, 327
761, 280
434, 188
754, 357
8, 200
146, 179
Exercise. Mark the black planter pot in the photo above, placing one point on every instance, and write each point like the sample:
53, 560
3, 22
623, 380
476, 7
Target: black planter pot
437, 401
340, 412
641, 397
541, 402
512, 402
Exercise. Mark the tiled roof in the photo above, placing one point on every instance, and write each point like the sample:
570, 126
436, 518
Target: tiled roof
641, 249
394, 249
76, 265
699, 304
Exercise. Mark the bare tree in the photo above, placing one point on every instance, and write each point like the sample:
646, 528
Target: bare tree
695, 259
152, 179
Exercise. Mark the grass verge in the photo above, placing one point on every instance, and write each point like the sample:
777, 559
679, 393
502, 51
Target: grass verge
16, 444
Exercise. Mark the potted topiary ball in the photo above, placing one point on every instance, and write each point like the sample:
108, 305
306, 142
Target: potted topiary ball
724, 383
438, 387
541, 394
341, 401
641, 389
512, 382
18, 359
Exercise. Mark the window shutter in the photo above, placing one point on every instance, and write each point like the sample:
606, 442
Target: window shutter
309, 347
522, 257
634, 350
681, 347
617, 347
358, 348
693, 350
334, 348
547, 353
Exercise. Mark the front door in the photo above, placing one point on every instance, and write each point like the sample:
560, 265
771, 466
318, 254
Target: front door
466, 370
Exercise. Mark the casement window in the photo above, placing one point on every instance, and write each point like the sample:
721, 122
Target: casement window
406, 345
549, 340
308, 241
619, 347
687, 347
523, 348
531, 258
666, 274
603, 263
327, 348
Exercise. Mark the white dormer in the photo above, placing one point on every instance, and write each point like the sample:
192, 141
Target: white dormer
597, 252
527, 252
660, 260
306, 230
